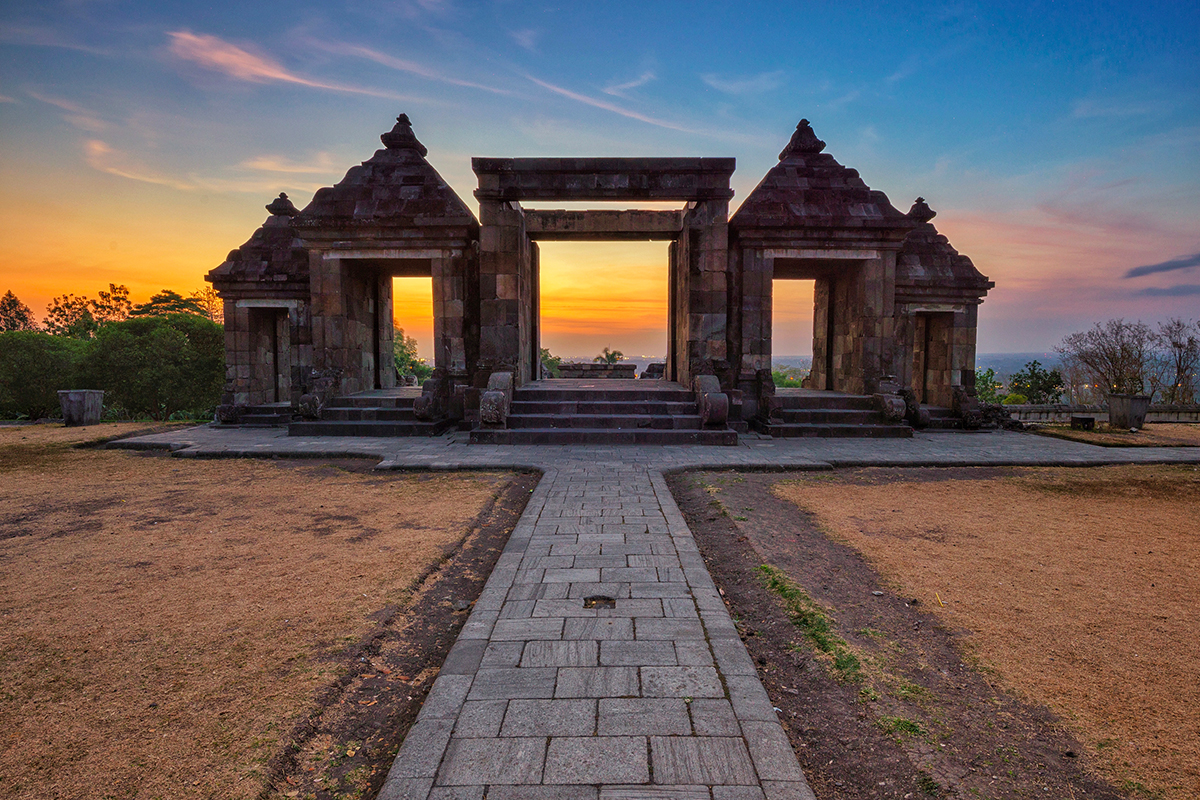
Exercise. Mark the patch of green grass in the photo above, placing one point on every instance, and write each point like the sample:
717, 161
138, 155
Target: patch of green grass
907, 690
740, 518
927, 784
868, 695
900, 726
869, 632
1140, 789
807, 615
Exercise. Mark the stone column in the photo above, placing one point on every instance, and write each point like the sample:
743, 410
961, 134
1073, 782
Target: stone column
706, 226
502, 243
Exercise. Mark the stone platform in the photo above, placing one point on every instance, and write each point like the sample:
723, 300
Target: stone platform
645, 690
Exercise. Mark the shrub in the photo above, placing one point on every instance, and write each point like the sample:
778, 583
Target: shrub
1015, 400
986, 386
788, 377
33, 367
158, 366
1037, 384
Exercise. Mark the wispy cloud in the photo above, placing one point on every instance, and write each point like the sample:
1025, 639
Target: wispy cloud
239, 63
322, 164
907, 69
102, 157
1091, 107
1182, 290
400, 64
83, 118
607, 106
6, 99
755, 84
1183, 262
526, 38
44, 37
619, 89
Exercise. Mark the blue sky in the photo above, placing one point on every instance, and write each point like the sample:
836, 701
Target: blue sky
1059, 142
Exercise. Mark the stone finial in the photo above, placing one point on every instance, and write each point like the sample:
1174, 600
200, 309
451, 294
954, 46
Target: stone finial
804, 142
282, 207
401, 137
921, 212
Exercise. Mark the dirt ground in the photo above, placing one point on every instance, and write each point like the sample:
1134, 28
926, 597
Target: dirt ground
184, 628
1156, 434
1019, 613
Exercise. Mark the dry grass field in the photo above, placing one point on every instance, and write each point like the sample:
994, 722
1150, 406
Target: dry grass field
164, 622
1077, 587
1156, 434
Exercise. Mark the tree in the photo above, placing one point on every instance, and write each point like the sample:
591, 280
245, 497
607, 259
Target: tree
1117, 354
550, 363
1039, 386
168, 302
158, 366
986, 386
15, 315
609, 357
33, 367
1179, 344
80, 317
404, 349
211, 304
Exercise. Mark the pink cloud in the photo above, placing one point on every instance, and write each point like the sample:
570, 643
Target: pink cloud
241, 64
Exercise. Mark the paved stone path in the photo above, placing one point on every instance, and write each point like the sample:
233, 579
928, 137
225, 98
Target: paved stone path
547, 694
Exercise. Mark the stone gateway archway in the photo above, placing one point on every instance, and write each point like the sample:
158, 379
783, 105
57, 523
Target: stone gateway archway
308, 298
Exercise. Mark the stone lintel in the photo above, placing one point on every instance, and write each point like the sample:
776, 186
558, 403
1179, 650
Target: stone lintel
603, 178
603, 225
264, 302
820, 253
391, 253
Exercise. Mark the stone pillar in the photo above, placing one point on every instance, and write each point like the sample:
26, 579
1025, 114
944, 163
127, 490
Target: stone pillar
503, 247
705, 225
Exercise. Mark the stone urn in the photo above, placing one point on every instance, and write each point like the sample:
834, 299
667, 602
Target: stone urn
81, 406
1127, 410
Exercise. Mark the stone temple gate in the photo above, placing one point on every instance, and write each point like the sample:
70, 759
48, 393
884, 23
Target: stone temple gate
308, 298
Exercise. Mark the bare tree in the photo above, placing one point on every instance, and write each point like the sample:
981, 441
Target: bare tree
1117, 354
1179, 355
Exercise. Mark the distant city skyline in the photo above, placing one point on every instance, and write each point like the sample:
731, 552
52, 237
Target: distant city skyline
1058, 142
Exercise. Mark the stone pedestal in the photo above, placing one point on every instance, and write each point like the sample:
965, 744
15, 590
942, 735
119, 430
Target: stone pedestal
81, 406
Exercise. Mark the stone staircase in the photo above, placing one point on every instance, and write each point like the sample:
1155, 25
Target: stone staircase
830, 414
266, 415
611, 411
383, 412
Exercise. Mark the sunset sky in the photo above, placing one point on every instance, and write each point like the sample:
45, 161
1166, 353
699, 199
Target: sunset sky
1059, 142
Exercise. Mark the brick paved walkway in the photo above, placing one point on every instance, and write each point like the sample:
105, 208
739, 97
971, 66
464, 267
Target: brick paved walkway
547, 695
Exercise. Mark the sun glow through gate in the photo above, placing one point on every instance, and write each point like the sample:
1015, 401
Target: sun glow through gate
603, 294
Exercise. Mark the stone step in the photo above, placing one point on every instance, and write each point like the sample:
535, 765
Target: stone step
364, 414
368, 428
610, 407
371, 401
625, 393
607, 421
828, 416
874, 431
826, 401
271, 420
605, 436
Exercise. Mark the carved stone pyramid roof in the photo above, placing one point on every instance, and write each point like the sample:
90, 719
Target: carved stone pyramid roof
927, 263
395, 187
808, 188
274, 255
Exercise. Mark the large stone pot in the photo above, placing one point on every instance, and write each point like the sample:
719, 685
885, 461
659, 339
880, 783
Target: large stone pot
1127, 410
81, 406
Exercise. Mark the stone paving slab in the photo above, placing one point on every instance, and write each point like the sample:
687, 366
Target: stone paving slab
651, 696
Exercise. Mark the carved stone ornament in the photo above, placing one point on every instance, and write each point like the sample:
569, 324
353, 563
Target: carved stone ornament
803, 142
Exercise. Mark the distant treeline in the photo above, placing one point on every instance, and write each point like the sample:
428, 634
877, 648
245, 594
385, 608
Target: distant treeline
161, 359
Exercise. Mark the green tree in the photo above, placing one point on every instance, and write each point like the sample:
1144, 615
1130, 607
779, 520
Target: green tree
986, 386
168, 302
1038, 385
158, 366
789, 377
211, 304
408, 362
550, 363
33, 367
80, 317
15, 315
609, 357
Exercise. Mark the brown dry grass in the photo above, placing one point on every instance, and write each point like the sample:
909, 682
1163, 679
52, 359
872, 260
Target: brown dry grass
1157, 434
164, 622
1078, 586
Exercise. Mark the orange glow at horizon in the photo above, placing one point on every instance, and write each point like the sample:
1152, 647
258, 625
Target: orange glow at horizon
792, 318
603, 294
412, 310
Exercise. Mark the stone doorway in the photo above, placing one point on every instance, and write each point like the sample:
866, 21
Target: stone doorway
593, 295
